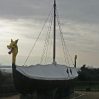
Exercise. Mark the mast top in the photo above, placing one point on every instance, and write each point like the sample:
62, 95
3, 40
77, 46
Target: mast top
54, 2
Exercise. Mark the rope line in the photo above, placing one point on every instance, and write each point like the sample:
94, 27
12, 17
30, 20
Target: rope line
46, 40
63, 39
38, 37
49, 48
46, 48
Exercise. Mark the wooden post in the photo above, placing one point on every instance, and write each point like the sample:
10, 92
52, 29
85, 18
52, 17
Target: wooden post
75, 60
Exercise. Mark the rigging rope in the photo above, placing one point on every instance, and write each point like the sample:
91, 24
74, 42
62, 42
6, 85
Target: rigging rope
62, 39
38, 37
50, 47
47, 40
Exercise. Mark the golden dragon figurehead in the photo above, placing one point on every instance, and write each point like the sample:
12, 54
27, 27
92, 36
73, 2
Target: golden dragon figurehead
13, 49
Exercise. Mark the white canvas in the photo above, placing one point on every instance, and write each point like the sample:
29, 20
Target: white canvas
48, 72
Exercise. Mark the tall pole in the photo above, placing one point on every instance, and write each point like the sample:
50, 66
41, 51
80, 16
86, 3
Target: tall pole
54, 43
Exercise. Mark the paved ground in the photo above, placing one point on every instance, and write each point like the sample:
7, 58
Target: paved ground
77, 95
84, 95
12, 97
87, 95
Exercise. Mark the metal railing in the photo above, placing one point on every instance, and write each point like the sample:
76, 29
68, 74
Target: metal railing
86, 86
8, 90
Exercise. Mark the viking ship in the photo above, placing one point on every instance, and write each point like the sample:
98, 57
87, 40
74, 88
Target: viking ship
42, 77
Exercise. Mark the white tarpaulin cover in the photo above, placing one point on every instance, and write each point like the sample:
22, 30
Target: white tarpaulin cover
48, 72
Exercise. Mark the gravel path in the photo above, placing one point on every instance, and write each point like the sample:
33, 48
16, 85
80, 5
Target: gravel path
77, 95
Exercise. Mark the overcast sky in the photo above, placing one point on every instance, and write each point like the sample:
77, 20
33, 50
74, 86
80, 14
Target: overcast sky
24, 19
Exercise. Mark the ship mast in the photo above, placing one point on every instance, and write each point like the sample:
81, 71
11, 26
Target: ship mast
54, 41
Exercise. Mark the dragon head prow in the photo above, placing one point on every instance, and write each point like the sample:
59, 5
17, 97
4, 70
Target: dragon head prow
13, 47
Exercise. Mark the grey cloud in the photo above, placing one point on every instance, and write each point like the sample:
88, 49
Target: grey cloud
77, 10
23, 8
80, 10
79, 18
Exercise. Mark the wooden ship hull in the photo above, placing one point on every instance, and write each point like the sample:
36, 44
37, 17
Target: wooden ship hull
26, 85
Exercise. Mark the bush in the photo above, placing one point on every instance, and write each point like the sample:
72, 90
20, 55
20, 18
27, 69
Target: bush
88, 74
5, 78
